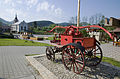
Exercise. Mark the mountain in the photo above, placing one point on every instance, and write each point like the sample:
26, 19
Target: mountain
4, 22
64, 24
40, 23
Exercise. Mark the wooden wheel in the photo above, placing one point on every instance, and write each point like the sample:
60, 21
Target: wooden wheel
93, 56
50, 53
73, 59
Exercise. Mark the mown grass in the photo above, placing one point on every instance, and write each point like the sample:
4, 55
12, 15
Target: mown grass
111, 61
19, 42
50, 38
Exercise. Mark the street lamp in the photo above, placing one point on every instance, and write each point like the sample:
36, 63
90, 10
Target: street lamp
78, 17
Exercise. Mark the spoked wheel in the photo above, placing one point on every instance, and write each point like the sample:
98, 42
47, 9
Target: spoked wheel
50, 53
93, 56
73, 59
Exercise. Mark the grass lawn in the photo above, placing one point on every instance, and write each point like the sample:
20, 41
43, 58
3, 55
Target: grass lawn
19, 42
49, 38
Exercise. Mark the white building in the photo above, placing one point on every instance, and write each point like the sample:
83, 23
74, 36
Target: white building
97, 35
19, 26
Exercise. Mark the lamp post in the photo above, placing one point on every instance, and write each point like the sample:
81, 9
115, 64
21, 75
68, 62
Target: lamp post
78, 17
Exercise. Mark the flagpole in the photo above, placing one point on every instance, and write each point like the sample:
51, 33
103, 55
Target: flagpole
78, 17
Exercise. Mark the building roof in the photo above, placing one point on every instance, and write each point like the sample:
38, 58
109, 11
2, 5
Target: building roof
16, 19
116, 30
17, 23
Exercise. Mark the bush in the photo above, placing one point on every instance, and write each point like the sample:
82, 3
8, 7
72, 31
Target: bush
6, 36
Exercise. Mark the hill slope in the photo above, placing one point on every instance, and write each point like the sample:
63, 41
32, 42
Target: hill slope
4, 22
40, 23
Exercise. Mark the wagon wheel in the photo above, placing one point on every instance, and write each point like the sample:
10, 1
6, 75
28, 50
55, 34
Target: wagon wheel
73, 59
50, 53
93, 56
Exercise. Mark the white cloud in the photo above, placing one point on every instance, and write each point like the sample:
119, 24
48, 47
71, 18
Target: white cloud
38, 7
50, 10
19, 1
43, 6
52, 7
31, 3
58, 11
13, 11
12, 4
8, 1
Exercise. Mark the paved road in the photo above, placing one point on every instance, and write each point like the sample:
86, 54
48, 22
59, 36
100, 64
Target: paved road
13, 64
111, 51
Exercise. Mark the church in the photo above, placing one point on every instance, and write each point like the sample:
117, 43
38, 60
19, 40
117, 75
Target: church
18, 27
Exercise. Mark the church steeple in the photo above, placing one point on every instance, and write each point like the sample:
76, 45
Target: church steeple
16, 20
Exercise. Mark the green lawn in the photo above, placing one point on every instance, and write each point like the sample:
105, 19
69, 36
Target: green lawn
50, 38
19, 42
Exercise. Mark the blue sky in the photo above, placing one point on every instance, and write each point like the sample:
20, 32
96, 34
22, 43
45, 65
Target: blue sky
56, 10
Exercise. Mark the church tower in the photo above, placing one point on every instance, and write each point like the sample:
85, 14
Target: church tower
15, 20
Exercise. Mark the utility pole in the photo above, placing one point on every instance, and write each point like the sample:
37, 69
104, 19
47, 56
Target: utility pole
78, 17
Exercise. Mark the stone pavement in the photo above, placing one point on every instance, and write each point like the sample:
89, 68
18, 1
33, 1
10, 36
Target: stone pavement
13, 64
111, 51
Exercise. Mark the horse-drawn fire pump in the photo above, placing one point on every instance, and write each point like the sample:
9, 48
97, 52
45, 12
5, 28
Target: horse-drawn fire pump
77, 51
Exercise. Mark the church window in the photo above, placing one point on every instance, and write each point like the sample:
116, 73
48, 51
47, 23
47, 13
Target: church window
25, 28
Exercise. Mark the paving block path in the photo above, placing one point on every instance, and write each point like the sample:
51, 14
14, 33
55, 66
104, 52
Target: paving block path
13, 64
111, 51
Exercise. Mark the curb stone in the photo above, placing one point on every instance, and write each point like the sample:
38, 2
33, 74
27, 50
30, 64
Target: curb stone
44, 72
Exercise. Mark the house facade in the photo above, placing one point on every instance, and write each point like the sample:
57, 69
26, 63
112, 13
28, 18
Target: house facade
19, 26
112, 22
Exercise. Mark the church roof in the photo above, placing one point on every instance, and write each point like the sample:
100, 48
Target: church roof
17, 23
16, 19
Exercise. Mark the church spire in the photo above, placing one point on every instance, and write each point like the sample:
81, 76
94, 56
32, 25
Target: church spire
16, 20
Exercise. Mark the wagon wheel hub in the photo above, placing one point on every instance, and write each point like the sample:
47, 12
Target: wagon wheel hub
90, 53
72, 59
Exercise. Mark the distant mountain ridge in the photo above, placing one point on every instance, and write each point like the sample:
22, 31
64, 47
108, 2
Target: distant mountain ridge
4, 22
64, 24
40, 23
